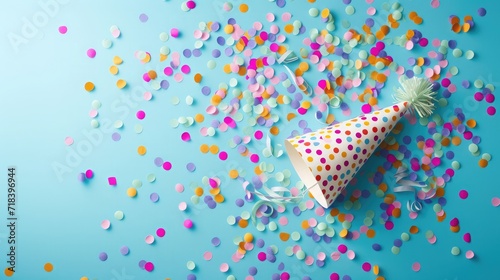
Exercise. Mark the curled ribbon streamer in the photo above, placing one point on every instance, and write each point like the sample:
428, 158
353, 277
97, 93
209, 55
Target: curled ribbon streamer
289, 57
409, 186
276, 151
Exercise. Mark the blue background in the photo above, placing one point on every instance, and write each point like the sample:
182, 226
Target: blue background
43, 101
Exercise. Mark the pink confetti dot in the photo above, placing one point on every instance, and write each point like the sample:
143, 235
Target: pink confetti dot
140, 114
185, 136
185, 69
463, 194
160, 232
224, 267
415, 266
495, 201
91, 53
366, 266
389, 225
68, 141
149, 266
188, 223
469, 254
63, 29
179, 188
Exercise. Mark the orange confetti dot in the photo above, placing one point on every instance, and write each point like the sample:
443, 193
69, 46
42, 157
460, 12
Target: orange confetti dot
89, 86
471, 123
113, 70
370, 233
152, 74
121, 83
455, 228
131, 192
304, 224
290, 116
274, 130
288, 28
243, 223
8, 272
414, 229
219, 198
456, 140
341, 217
141, 150
204, 148
483, 163
284, 236
198, 191
214, 149
199, 118
334, 212
440, 192
412, 15
243, 8
48, 267
233, 174
418, 20
396, 212
197, 78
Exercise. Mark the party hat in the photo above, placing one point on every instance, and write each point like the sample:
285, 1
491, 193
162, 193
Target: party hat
326, 160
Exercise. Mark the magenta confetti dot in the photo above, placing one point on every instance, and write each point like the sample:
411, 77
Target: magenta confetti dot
167, 165
160, 232
63, 29
342, 248
186, 136
89, 174
191, 4
149, 266
366, 266
254, 158
389, 225
174, 32
454, 222
258, 134
491, 110
188, 223
222, 155
140, 114
366, 108
91, 53
463, 194
261, 256
185, 69
489, 98
467, 237
112, 181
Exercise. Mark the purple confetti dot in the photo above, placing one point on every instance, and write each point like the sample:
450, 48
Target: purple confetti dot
239, 202
154, 197
143, 17
281, 3
116, 136
205, 90
187, 53
103, 256
216, 53
216, 241
197, 53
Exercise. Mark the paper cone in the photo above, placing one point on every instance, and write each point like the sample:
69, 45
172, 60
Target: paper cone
327, 159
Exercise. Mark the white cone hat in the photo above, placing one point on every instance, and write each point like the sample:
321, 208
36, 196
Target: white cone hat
326, 160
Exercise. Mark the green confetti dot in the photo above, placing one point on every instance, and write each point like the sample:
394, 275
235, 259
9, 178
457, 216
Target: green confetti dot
190, 265
429, 234
405, 236
313, 12
486, 156
231, 220
455, 251
469, 54
455, 165
395, 250
272, 226
350, 10
211, 64
295, 236
473, 148
478, 84
289, 251
300, 255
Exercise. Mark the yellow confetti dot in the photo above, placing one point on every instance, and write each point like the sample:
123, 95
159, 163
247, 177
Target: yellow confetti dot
214, 149
84, 278
121, 83
248, 237
233, 174
141, 150
343, 233
214, 191
229, 29
243, 8
89, 86
198, 191
303, 66
131, 192
113, 70
117, 60
8, 272
48, 267
204, 148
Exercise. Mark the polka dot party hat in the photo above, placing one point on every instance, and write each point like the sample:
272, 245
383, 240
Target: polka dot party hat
326, 160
